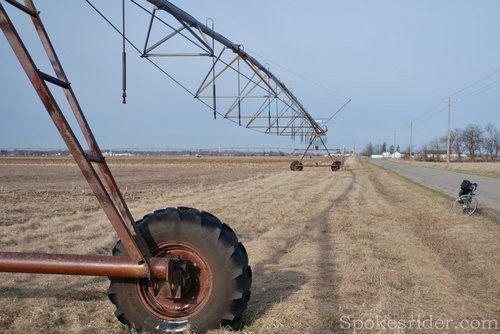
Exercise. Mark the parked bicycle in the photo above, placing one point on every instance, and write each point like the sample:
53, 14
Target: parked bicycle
466, 203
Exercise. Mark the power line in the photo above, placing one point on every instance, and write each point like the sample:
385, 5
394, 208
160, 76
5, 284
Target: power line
482, 89
437, 108
441, 106
476, 82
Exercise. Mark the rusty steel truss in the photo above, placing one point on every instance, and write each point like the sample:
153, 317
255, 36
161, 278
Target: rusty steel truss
93, 166
260, 100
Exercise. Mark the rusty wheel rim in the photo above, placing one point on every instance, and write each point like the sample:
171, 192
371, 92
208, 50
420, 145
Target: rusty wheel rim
194, 297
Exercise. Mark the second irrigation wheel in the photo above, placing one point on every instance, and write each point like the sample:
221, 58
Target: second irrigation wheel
336, 165
210, 268
296, 165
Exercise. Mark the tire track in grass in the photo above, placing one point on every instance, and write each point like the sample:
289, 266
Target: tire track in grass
327, 296
285, 302
344, 256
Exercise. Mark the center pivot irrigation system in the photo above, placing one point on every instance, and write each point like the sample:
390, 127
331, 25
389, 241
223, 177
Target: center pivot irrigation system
175, 268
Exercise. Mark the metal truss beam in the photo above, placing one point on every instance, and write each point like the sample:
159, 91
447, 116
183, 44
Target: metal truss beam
254, 81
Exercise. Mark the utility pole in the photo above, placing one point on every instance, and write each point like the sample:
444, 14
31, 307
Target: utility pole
449, 134
394, 153
411, 136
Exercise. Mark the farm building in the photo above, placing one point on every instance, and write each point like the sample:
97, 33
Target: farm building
395, 155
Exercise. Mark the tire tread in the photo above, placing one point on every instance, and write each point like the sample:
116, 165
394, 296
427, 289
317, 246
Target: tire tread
211, 229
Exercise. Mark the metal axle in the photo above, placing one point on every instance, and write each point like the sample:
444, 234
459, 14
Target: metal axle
67, 264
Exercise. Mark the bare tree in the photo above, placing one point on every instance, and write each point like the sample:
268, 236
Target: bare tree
424, 150
472, 137
491, 142
407, 153
368, 150
436, 147
456, 143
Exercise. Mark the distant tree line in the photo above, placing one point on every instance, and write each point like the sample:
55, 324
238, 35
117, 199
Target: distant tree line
372, 149
474, 142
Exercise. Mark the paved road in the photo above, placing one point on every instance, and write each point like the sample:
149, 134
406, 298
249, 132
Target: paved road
448, 182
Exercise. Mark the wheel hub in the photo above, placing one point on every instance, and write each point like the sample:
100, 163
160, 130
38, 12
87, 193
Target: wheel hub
178, 280
187, 286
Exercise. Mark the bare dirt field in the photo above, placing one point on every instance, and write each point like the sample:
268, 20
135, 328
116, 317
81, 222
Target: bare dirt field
330, 252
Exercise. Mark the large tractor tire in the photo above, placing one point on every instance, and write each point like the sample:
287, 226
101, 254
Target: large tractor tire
216, 277
336, 165
296, 166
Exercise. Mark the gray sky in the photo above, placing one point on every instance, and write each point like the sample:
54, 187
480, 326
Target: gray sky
397, 60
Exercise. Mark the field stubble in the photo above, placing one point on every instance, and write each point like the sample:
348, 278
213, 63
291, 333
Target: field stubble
324, 247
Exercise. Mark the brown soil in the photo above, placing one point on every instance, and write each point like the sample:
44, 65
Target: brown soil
328, 250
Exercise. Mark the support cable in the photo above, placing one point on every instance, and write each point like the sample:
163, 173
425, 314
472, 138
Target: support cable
345, 104
139, 51
168, 25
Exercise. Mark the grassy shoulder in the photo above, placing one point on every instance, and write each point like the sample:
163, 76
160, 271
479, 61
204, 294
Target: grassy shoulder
490, 214
489, 169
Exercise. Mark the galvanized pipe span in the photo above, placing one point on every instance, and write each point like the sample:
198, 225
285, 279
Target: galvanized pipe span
189, 20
